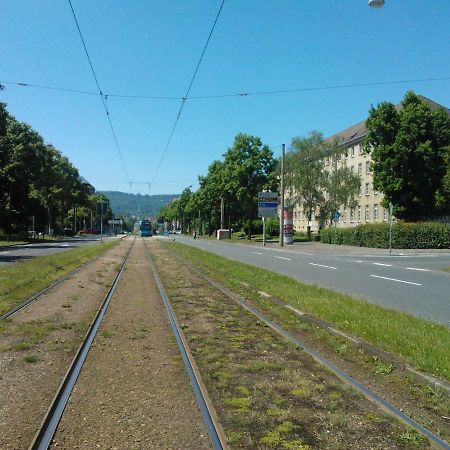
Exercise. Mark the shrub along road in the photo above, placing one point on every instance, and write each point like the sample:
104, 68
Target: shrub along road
408, 282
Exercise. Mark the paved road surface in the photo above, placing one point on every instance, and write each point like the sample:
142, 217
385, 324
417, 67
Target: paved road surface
21, 252
413, 282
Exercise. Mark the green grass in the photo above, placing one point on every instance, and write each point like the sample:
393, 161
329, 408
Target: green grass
19, 281
423, 344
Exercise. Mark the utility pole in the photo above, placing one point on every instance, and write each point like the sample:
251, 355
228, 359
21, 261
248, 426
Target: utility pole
282, 198
222, 210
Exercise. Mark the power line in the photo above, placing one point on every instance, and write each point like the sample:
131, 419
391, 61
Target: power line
236, 94
183, 101
102, 96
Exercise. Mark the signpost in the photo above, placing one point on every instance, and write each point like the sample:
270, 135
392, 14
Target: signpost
336, 217
267, 207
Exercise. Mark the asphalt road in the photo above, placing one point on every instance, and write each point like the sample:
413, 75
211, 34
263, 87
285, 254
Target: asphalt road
19, 253
413, 282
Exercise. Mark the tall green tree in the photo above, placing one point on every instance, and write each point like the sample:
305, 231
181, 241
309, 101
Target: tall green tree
248, 168
408, 148
305, 176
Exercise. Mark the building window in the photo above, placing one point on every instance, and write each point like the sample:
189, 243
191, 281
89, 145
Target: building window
352, 215
352, 152
367, 188
345, 215
352, 169
359, 169
367, 217
360, 149
375, 213
375, 192
367, 166
295, 215
384, 215
360, 190
359, 213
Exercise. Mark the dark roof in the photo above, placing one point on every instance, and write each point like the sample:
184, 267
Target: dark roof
355, 133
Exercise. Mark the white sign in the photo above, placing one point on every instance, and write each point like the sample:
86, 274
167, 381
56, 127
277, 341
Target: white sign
267, 204
115, 221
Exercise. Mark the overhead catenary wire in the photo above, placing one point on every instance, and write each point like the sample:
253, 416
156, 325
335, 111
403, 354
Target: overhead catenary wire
233, 94
103, 97
183, 100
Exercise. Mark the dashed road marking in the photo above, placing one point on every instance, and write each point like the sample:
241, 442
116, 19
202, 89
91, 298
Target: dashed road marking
321, 265
282, 257
381, 264
394, 279
416, 268
257, 253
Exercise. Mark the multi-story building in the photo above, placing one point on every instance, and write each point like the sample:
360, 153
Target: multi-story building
369, 209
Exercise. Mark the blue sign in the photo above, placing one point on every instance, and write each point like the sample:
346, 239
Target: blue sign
336, 216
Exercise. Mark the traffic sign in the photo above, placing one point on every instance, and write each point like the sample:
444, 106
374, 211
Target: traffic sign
336, 216
267, 204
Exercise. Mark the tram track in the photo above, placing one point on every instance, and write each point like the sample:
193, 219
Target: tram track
47, 289
384, 405
51, 420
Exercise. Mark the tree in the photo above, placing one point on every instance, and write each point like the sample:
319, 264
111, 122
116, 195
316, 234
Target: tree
341, 186
409, 147
248, 166
305, 174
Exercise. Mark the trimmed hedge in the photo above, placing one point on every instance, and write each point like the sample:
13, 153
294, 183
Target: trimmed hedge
404, 235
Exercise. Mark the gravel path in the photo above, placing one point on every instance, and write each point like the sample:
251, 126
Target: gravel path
133, 392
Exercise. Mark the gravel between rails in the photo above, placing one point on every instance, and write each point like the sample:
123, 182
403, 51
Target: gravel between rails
38, 343
133, 392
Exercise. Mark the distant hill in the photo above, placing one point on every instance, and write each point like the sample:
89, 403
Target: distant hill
137, 204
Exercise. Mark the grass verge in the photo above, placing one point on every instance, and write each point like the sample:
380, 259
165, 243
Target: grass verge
423, 344
21, 280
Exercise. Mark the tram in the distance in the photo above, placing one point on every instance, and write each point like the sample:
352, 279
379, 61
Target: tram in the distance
145, 228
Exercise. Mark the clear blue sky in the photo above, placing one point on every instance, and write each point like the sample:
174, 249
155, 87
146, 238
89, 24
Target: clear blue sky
151, 48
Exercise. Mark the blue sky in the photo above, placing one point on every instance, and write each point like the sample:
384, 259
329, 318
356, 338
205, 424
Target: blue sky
152, 47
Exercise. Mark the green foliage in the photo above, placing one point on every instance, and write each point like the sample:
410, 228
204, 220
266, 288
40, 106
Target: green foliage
317, 189
35, 180
404, 235
273, 226
410, 154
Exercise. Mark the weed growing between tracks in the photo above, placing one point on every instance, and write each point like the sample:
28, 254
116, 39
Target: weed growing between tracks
425, 345
267, 393
430, 406
21, 280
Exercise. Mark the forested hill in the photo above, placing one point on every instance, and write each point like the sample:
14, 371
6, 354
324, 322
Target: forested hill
137, 204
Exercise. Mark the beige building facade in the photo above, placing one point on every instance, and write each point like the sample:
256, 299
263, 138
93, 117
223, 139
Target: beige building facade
369, 209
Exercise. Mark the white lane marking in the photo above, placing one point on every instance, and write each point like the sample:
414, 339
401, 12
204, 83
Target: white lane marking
5, 252
257, 253
279, 250
381, 264
415, 268
355, 260
281, 257
394, 279
321, 265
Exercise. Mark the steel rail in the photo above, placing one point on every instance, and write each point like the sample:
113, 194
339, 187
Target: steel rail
207, 411
44, 435
47, 289
364, 390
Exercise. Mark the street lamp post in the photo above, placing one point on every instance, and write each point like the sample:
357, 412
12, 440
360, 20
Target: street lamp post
282, 198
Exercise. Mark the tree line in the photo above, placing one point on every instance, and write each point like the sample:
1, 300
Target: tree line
410, 150
40, 186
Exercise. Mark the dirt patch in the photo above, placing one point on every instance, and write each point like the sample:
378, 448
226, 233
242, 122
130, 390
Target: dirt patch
38, 343
133, 391
267, 393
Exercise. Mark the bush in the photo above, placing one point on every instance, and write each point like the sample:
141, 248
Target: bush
273, 226
404, 235
257, 227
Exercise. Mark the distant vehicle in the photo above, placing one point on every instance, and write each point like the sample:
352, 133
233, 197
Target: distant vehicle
85, 232
145, 227
68, 232
177, 231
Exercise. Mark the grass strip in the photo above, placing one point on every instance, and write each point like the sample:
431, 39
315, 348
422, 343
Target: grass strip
423, 344
21, 280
